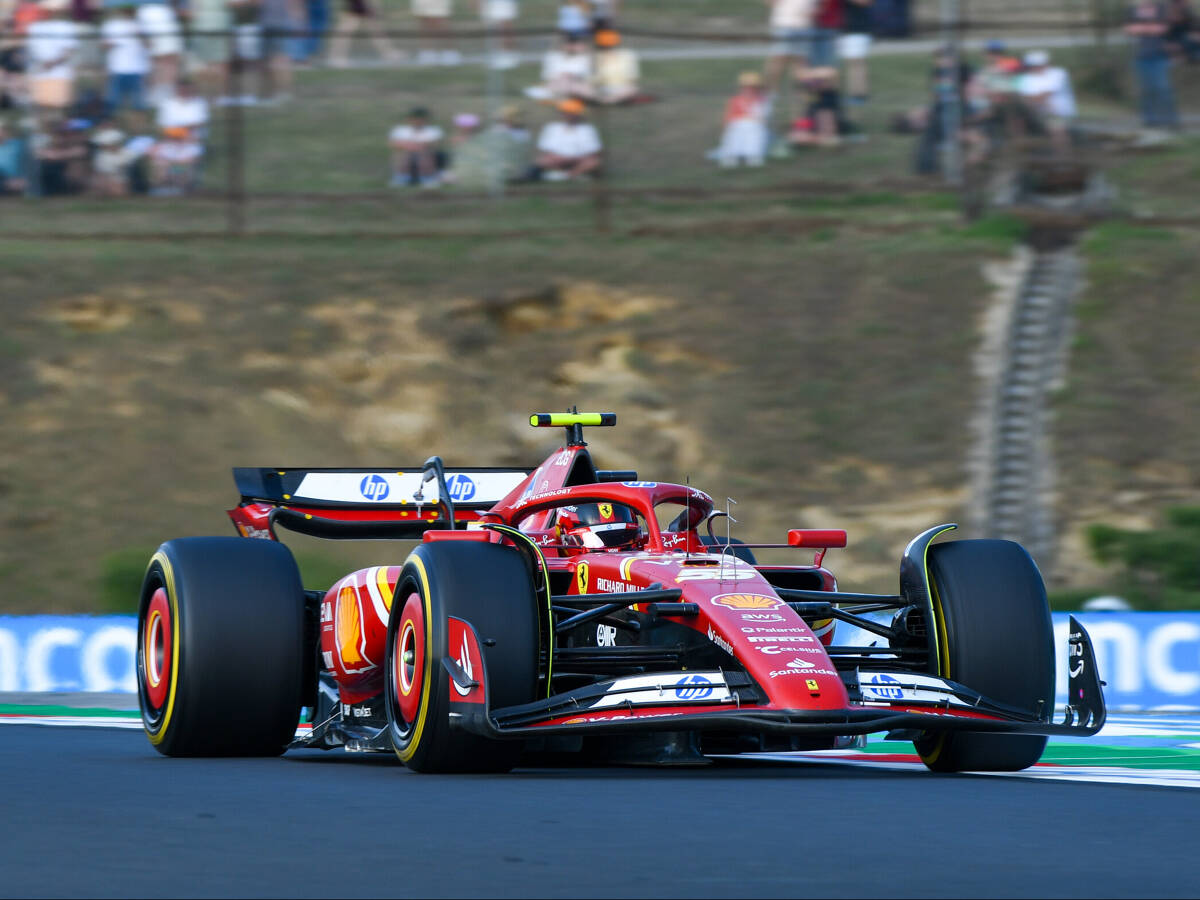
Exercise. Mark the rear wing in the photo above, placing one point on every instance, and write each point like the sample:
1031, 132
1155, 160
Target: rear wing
353, 503
467, 488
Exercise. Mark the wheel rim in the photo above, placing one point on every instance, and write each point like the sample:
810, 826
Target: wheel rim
408, 663
155, 650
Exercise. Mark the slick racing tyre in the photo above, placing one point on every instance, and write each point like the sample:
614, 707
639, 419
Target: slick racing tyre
220, 647
996, 637
489, 586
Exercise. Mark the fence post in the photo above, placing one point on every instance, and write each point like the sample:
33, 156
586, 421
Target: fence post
952, 101
235, 169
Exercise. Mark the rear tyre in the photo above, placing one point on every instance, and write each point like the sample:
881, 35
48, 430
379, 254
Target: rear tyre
487, 585
997, 638
220, 648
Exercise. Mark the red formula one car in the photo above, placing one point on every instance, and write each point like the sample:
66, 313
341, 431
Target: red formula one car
570, 609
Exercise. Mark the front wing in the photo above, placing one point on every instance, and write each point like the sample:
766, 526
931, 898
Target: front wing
713, 701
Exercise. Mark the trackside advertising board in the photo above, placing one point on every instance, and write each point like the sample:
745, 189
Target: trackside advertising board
1151, 661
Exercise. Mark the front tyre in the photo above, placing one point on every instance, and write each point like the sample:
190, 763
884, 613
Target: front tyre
489, 586
996, 637
220, 647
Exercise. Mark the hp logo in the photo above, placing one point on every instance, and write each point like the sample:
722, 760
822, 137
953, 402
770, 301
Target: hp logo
374, 487
693, 687
461, 488
885, 687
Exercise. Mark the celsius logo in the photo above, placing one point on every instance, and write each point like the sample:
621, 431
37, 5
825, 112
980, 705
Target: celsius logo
885, 687
693, 687
374, 487
461, 488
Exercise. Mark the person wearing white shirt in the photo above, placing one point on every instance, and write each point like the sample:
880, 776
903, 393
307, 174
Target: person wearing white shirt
416, 154
569, 147
53, 47
126, 59
160, 25
566, 72
1047, 89
185, 108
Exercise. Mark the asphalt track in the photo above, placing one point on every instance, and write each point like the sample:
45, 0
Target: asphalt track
96, 812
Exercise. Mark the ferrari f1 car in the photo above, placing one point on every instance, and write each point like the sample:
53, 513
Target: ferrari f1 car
567, 609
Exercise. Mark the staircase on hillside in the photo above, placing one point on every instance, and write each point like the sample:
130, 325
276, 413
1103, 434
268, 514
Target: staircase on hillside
1020, 482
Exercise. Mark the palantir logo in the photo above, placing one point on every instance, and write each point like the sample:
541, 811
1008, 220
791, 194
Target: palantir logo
693, 687
885, 687
461, 488
374, 487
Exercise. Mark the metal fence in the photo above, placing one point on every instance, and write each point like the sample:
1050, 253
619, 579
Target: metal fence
318, 162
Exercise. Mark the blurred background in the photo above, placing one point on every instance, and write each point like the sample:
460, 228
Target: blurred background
867, 265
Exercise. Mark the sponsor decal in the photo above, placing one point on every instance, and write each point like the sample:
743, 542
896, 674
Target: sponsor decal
374, 488
327, 656
581, 577
762, 617
665, 687
640, 484
606, 636
608, 586
693, 687
882, 687
326, 614
562, 459
1076, 654
349, 631
674, 539
744, 601
718, 571
606, 510
461, 487
785, 629
464, 661
800, 666
784, 639
251, 532
720, 641
812, 684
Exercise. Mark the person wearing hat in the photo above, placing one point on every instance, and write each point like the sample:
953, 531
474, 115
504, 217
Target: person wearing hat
616, 72
1046, 90
569, 147
744, 139
53, 48
416, 154
175, 161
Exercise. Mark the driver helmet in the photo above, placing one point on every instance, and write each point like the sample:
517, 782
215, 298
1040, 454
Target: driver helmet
599, 526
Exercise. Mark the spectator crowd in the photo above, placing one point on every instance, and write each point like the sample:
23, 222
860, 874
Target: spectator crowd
112, 97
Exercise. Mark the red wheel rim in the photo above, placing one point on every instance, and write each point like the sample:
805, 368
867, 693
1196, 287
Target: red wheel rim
408, 658
156, 648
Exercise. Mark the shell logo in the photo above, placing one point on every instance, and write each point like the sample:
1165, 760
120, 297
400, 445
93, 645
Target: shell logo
746, 601
349, 626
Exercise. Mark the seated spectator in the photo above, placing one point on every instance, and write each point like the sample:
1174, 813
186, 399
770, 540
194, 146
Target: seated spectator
110, 175
12, 162
62, 157
566, 72
485, 158
569, 147
822, 123
1047, 91
744, 139
417, 156
175, 163
615, 79
185, 108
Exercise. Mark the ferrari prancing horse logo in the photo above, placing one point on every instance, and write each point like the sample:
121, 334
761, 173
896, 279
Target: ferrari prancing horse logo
581, 577
606, 511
